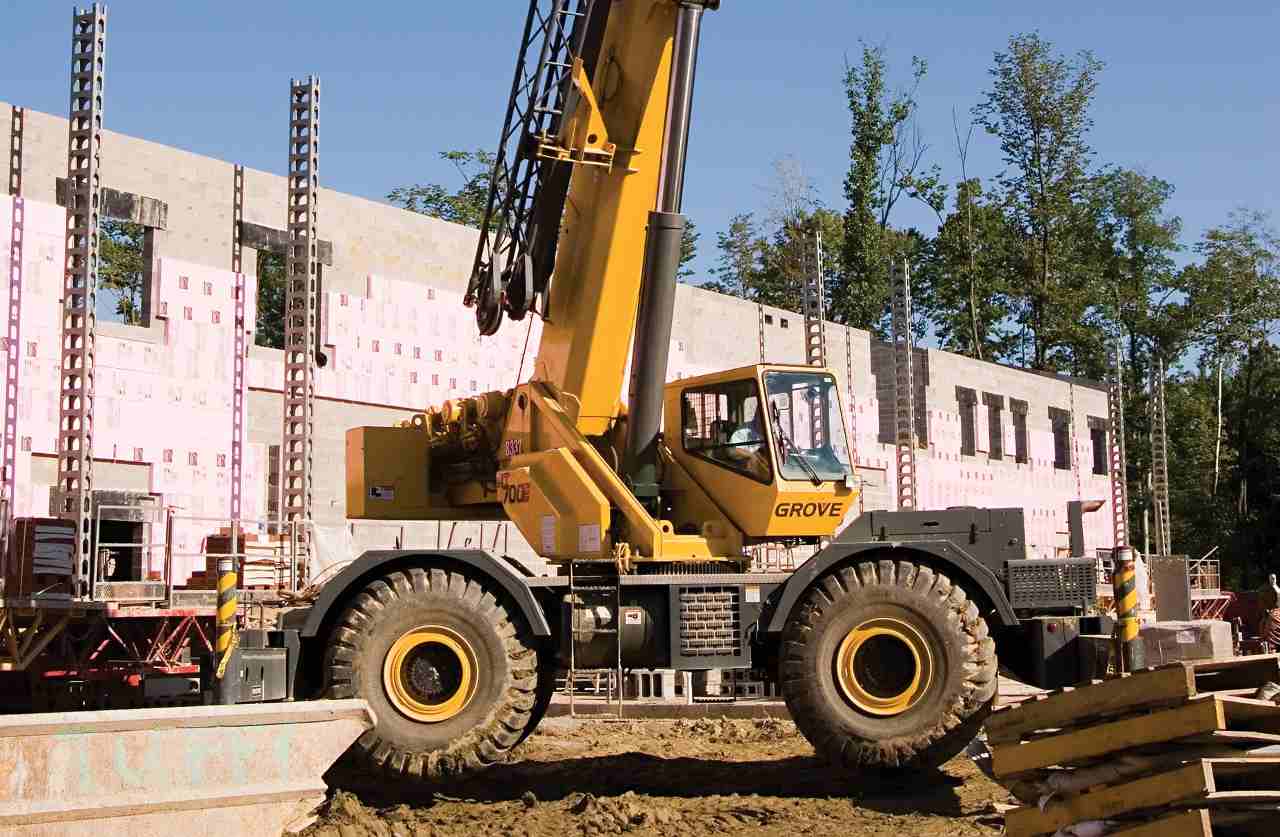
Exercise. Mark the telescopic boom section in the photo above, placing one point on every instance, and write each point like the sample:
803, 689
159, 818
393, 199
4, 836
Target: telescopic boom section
596, 299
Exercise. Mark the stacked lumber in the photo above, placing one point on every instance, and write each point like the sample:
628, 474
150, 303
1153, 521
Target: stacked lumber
1186, 750
41, 559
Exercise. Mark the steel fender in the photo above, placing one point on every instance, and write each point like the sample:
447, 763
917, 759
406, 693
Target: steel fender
365, 568
939, 552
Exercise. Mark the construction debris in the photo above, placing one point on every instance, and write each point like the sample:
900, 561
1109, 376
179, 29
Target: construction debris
1187, 749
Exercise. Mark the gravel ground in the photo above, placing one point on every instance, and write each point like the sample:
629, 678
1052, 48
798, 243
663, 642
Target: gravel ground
576, 777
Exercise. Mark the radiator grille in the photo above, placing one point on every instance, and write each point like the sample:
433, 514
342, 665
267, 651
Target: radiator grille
710, 622
1056, 583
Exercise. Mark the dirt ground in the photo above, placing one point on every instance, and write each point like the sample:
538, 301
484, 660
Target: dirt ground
681, 777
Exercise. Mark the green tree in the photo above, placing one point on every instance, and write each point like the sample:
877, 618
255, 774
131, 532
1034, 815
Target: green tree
122, 266
886, 155
269, 329
688, 250
961, 282
1038, 108
738, 265
465, 205
1130, 248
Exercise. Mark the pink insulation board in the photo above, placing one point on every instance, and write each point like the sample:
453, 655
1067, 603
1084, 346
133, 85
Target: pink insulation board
164, 396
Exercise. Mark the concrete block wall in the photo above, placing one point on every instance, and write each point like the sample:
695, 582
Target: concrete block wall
397, 339
368, 236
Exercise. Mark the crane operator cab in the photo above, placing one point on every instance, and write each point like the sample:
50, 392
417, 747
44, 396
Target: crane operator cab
768, 446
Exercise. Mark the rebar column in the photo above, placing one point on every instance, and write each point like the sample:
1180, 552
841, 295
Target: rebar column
302, 267
74, 491
240, 343
904, 390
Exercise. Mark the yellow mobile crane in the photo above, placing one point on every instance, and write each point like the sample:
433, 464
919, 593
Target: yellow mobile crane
883, 642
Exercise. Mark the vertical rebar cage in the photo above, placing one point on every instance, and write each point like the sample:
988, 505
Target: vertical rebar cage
301, 281
79, 298
904, 418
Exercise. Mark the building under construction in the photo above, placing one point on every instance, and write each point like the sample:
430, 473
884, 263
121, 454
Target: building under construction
179, 423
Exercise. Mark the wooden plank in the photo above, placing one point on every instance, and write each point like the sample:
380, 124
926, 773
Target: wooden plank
1235, 738
1252, 769
1111, 697
1181, 824
1250, 715
1198, 717
1236, 673
1192, 782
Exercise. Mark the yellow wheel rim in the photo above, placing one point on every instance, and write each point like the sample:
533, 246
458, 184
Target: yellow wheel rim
430, 674
884, 666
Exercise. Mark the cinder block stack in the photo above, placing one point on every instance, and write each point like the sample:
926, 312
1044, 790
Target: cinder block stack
1188, 750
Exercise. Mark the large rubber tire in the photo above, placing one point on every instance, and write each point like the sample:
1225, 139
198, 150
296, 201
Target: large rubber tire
494, 720
543, 692
945, 715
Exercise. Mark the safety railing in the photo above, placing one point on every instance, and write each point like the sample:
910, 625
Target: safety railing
1205, 575
106, 553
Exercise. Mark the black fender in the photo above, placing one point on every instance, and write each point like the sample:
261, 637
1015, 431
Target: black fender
359, 573
963, 569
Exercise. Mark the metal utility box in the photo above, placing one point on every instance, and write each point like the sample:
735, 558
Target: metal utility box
387, 474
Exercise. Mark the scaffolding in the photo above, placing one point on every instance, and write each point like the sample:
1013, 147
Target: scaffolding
79, 298
301, 280
904, 418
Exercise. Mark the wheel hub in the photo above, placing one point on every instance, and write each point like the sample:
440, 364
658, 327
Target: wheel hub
884, 666
429, 674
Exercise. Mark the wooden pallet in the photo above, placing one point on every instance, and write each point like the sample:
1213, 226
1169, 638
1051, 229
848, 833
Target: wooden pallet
1209, 783
1200, 822
1202, 719
1166, 686
1167, 716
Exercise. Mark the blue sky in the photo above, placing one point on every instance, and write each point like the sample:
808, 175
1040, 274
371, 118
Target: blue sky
1187, 94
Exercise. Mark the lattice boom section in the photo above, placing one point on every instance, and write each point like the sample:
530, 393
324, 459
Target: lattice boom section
301, 269
710, 622
75, 435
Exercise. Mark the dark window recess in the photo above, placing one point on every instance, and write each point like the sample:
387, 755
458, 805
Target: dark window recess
1019, 410
784, 322
1061, 422
995, 425
968, 401
273, 481
768, 319
1098, 436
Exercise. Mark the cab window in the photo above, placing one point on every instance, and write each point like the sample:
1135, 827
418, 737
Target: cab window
807, 426
724, 424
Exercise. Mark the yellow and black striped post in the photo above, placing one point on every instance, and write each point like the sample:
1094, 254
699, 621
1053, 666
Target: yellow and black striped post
227, 677
1124, 585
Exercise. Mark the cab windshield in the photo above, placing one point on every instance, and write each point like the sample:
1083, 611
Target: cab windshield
808, 430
